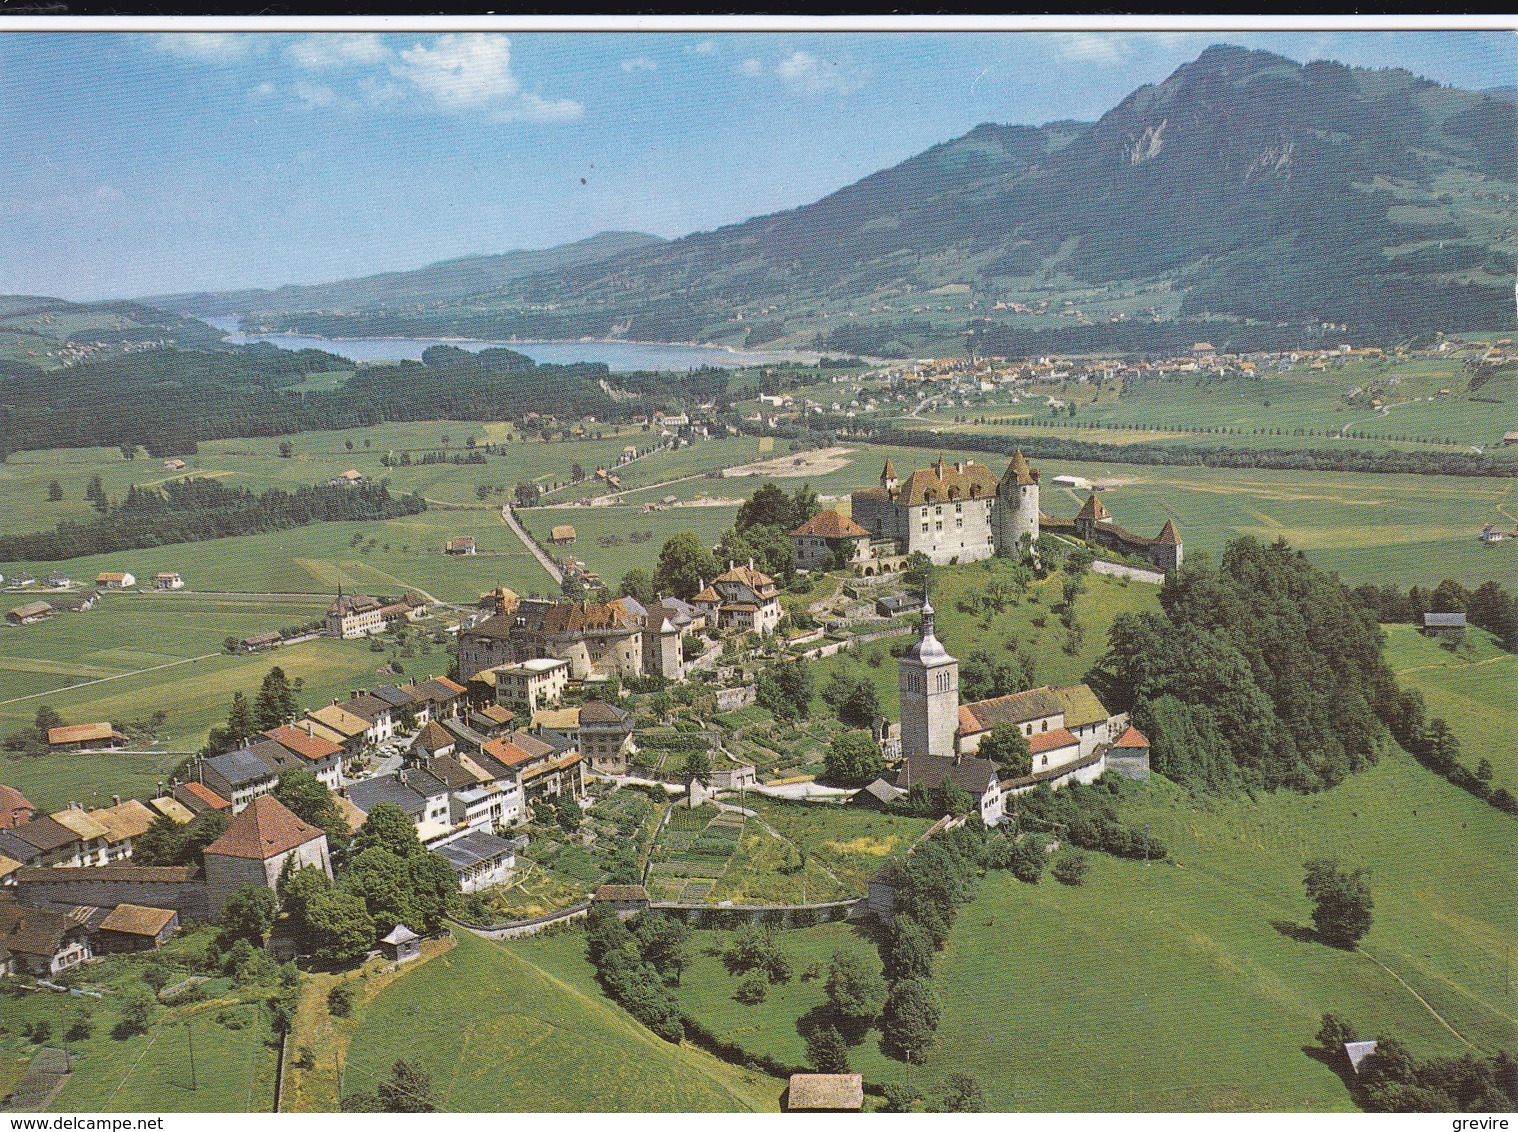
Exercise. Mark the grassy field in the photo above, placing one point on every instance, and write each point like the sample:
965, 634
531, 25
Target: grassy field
137, 653
1475, 691
523, 1027
1192, 985
235, 1054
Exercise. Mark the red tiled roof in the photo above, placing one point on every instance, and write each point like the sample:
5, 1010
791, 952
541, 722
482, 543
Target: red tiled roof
1132, 739
507, 753
266, 828
830, 524
14, 807
203, 792
79, 733
303, 743
1051, 740
1093, 508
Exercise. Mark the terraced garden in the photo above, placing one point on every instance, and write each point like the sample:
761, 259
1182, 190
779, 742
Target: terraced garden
693, 852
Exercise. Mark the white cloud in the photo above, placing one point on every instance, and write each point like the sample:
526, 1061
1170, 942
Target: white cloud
332, 50
641, 63
535, 108
313, 95
1088, 47
460, 71
705, 47
806, 73
264, 89
210, 47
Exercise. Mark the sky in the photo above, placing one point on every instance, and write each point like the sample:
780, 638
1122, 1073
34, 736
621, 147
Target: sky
142, 163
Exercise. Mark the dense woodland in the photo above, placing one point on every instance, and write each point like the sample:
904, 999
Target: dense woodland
169, 400
193, 510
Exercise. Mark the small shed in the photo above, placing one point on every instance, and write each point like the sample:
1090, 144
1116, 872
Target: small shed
135, 927
627, 899
825, 1092
402, 944
464, 544
1358, 1052
878, 795
1444, 624
562, 535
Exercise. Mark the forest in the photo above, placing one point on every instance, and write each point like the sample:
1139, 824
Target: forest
169, 400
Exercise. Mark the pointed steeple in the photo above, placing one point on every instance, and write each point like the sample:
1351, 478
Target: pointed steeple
1168, 534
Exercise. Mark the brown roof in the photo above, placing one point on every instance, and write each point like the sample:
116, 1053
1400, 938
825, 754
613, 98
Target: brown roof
33, 931
453, 773
14, 806
507, 753
580, 617
498, 626
1051, 741
305, 743
497, 714
889, 471
1132, 739
266, 828
449, 685
124, 820
45, 834
31, 609
1093, 509
599, 711
137, 919
1168, 534
621, 892
830, 524
942, 482
203, 794
562, 533
7, 866
970, 774
826, 1092
79, 733
1020, 707
1019, 471
432, 737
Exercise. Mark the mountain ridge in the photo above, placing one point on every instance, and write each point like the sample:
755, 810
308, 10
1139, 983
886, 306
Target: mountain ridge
1245, 190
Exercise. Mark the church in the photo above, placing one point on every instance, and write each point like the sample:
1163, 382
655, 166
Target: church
963, 512
1070, 733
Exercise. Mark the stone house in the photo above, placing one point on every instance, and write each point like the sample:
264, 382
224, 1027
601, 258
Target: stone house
255, 848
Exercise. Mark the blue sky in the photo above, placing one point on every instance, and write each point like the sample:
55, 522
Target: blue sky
138, 163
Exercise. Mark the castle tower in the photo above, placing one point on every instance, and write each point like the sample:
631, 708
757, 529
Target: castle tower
1094, 511
888, 479
1166, 548
929, 681
1016, 505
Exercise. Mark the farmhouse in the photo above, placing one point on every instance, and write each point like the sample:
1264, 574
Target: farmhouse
562, 535
81, 602
260, 641
30, 612
115, 580
825, 1092
85, 737
257, 844
168, 581
43, 942
464, 544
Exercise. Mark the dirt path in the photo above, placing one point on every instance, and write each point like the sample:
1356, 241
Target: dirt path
108, 679
509, 518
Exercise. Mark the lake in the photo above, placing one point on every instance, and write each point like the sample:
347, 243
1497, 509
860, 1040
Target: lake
620, 357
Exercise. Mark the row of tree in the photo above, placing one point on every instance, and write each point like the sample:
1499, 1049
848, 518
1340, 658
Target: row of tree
1489, 606
197, 509
1391, 1079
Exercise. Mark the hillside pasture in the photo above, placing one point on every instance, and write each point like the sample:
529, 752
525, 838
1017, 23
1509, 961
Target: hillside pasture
523, 1027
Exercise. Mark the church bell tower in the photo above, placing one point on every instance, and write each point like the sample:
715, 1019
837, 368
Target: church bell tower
929, 681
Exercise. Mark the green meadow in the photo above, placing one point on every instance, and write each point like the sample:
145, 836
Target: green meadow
523, 1027
1194, 985
1474, 690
